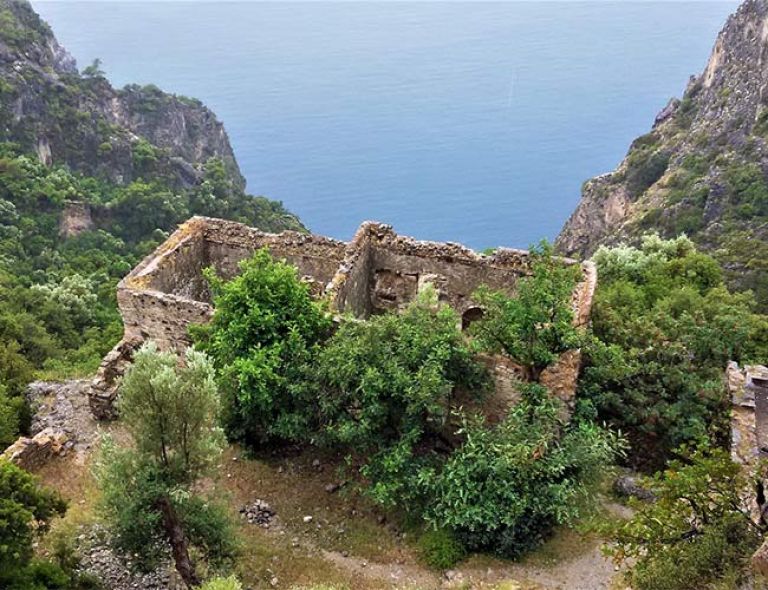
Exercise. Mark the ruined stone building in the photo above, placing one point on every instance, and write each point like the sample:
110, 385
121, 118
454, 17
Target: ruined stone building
748, 389
377, 271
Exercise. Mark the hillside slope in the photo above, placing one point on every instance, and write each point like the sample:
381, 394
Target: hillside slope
702, 169
47, 106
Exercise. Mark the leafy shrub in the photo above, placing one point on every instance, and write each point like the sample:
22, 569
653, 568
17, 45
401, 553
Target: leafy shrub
9, 417
230, 583
507, 486
386, 388
440, 549
26, 510
264, 339
644, 168
748, 188
664, 328
695, 533
535, 325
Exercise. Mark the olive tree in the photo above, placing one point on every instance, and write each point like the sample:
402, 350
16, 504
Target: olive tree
171, 413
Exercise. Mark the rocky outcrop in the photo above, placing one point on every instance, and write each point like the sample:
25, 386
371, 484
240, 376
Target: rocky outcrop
75, 219
703, 167
81, 121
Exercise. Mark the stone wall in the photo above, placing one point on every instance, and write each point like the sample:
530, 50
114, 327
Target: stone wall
748, 390
377, 271
33, 453
396, 267
317, 258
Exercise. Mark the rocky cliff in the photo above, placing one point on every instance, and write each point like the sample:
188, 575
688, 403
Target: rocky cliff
702, 169
81, 121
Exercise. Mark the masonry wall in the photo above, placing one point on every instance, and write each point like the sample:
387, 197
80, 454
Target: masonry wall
167, 292
384, 271
316, 257
377, 271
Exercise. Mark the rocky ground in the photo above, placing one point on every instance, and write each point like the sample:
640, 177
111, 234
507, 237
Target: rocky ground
300, 523
64, 407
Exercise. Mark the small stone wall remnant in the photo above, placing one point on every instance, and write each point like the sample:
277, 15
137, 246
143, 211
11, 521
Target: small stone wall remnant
103, 390
748, 390
33, 453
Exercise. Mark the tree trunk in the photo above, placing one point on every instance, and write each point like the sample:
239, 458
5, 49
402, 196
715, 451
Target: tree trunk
178, 540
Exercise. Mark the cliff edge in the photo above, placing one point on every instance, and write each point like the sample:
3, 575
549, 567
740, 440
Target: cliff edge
79, 120
702, 169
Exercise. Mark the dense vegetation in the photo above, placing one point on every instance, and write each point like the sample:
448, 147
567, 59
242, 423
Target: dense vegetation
26, 512
386, 393
664, 328
58, 314
696, 532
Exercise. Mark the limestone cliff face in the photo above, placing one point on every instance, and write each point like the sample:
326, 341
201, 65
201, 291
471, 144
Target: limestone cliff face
702, 169
46, 106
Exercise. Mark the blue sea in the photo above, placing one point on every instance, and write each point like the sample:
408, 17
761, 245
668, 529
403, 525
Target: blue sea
462, 121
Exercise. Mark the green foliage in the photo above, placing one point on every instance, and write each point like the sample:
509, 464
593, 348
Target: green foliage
26, 510
748, 189
645, 166
58, 313
171, 413
94, 69
440, 549
10, 409
507, 486
535, 325
664, 329
696, 532
264, 339
386, 388
230, 583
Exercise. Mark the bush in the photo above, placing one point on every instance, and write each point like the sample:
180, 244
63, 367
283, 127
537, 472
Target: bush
10, 409
26, 510
264, 339
695, 533
535, 325
664, 328
440, 549
645, 167
230, 583
386, 389
506, 487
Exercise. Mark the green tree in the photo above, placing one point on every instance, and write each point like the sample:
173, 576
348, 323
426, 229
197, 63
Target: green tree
535, 325
263, 339
171, 414
507, 486
386, 390
26, 511
9, 417
94, 69
664, 327
696, 532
